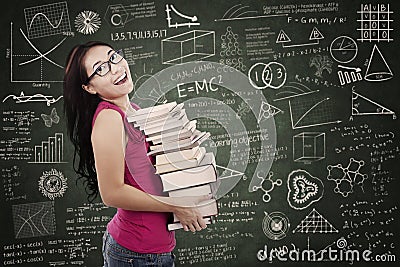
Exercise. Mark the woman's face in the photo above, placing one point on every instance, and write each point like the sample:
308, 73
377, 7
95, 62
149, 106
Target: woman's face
117, 83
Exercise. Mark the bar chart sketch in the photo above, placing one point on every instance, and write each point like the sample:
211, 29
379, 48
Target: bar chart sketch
51, 150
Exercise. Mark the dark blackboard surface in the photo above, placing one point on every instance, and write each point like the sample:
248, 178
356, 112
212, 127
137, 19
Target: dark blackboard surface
301, 99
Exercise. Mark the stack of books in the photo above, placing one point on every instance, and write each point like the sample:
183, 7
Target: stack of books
184, 166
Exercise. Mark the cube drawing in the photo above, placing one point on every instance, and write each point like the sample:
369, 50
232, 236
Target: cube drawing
309, 146
189, 46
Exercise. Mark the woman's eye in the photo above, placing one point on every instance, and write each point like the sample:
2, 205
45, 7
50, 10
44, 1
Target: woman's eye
100, 69
114, 57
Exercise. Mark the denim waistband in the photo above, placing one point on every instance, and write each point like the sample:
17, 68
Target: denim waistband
111, 241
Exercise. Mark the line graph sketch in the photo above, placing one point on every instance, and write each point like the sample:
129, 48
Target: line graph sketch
310, 112
47, 20
22, 98
188, 20
34, 219
28, 53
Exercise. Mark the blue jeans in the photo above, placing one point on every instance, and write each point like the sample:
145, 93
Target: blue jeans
116, 255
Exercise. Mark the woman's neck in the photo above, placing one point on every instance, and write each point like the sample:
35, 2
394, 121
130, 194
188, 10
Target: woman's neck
123, 103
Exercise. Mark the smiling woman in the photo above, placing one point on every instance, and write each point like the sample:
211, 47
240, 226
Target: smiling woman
97, 82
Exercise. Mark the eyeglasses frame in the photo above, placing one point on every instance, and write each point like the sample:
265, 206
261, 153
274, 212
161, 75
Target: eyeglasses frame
109, 62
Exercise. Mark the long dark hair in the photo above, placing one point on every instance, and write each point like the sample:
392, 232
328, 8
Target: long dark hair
79, 108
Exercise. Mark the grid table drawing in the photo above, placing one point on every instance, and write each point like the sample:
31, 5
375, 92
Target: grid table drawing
47, 20
375, 22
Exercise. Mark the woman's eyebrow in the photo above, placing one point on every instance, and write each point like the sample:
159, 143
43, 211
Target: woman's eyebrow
108, 53
97, 62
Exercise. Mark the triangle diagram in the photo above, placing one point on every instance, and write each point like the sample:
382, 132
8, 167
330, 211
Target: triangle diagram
378, 69
228, 173
362, 105
315, 223
315, 34
267, 111
282, 37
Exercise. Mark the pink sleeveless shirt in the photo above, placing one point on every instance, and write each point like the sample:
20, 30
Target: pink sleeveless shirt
142, 232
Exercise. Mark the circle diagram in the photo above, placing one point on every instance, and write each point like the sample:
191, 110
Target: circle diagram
275, 225
272, 75
53, 184
343, 49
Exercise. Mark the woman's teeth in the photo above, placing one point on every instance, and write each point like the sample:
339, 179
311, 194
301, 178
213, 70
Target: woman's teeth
121, 79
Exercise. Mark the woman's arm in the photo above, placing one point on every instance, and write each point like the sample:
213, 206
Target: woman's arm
108, 148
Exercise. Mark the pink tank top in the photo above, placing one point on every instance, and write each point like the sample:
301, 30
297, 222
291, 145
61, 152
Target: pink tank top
142, 232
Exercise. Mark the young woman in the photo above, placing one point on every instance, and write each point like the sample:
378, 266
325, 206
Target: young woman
111, 158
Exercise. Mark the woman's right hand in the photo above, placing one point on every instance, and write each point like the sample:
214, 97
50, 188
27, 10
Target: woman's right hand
190, 218
187, 213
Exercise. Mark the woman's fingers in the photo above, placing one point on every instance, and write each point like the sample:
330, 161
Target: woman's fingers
202, 223
196, 225
192, 228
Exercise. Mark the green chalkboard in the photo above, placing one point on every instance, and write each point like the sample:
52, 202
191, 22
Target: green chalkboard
300, 98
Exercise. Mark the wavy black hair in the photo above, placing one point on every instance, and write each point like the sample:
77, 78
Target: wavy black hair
79, 109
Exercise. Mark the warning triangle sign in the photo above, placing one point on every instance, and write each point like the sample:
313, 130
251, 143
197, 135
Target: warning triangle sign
315, 223
378, 69
315, 34
282, 37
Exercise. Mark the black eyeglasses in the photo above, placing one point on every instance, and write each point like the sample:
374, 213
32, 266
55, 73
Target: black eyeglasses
105, 67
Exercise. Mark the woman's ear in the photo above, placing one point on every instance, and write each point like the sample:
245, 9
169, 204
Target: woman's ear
89, 89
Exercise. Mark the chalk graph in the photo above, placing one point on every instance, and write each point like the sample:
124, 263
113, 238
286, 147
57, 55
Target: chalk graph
47, 20
28, 53
188, 21
34, 219
311, 112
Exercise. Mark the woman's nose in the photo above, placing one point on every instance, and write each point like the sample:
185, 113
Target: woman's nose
115, 68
